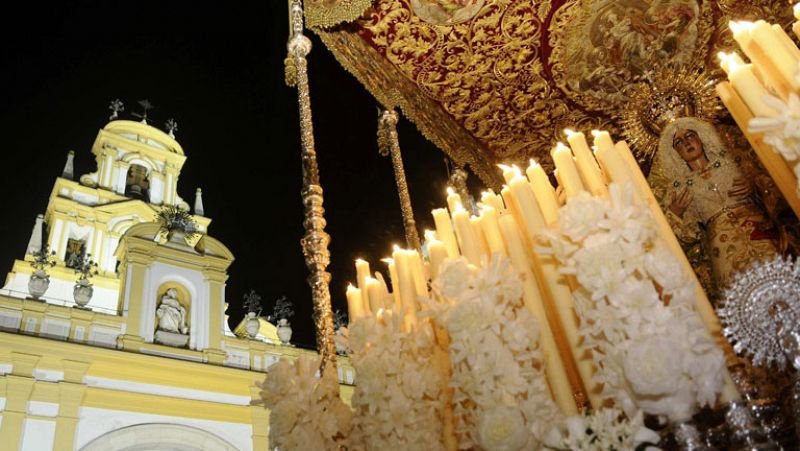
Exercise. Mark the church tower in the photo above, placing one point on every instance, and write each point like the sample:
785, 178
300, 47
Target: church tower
138, 167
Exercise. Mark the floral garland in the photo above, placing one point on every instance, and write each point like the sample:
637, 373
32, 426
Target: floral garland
782, 132
399, 400
501, 400
306, 410
636, 308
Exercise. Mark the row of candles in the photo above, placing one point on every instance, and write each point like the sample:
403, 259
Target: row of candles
773, 69
511, 224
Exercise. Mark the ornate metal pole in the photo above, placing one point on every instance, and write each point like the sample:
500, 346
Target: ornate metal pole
458, 178
315, 241
389, 144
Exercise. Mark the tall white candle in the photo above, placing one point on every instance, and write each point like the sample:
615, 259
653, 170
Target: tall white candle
453, 200
587, 166
362, 274
567, 171
444, 231
355, 306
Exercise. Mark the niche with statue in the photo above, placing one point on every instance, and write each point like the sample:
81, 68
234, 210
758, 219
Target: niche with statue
172, 316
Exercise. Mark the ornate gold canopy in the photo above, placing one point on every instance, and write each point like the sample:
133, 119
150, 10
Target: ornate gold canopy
491, 81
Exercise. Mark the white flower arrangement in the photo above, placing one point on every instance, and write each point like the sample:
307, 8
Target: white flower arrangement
782, 132
602, 430
399, 397
306, 410
636, 308
501, 400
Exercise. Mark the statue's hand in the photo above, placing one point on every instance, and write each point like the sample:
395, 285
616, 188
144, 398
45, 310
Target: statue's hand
679, 202
741, 187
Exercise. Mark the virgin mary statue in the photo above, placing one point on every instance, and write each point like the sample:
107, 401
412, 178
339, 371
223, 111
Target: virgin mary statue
710, 196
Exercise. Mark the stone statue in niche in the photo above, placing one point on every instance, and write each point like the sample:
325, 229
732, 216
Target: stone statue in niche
171, 320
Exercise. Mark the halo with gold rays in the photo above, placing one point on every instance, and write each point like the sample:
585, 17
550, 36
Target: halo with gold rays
662, 96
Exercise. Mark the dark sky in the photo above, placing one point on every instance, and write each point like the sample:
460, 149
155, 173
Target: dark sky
217, 68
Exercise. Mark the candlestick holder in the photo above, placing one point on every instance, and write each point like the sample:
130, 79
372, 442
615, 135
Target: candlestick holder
389, 144
315, 241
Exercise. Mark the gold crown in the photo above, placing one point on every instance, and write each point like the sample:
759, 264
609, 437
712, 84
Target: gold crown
664, 95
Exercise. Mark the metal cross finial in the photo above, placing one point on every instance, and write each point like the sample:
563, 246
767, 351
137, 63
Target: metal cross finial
172, 127
115, 106
146, 105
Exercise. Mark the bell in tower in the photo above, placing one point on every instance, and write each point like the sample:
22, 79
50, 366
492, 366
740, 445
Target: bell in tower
137, 185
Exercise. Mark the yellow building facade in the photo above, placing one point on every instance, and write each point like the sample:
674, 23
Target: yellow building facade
149, 362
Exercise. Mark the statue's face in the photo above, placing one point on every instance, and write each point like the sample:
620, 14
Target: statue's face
688, 144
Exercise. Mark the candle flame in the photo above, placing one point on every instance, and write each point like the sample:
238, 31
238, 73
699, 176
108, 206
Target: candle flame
560, 145
740, 26
396, 248
722, 56
450, 191
360, 260
533, 163
430, 235
569, 132
388, 260
734, 63
505, 167
595, 133
350, 287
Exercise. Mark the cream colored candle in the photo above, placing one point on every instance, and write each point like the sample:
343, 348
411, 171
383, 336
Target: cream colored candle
555, 370
362, 273
613, 164
769, 73
796, 26
491, 230
490, 198
453, 200
782, 60
375, 294
544, 192
509, 172
395, 279
437, 253
725, 60
481, 238
587, 166
567, 171
418, 272
466, 236
444, 231
387, 297
406, 286
748, 87
787, 42
355, 306
525, 201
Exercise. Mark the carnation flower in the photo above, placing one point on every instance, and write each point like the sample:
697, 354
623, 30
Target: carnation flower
580, 215
782, 131
653, 367
454, 278
502, 429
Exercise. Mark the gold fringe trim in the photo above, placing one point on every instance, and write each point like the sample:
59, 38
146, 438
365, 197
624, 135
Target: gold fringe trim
326, 14
393, 90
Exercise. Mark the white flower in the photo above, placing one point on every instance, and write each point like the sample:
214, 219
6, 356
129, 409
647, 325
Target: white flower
454, 278
783, 131
502, 429
664, 268
653, 366
581, 215
466, 317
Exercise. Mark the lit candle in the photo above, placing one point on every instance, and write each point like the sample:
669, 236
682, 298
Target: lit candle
787, 42
384, 290
483, 245
743, 35
796, 26
509, 172
453, 200
782, 60
748, 87
613, 164
491, 230
375, 295
444, 231
544, 192
466, 236
355, 307
395, 279
525, 201
725, 60
567, 171
555, 370
587, 166
490, 198
418, 272
408, 291
362, 274
437, 253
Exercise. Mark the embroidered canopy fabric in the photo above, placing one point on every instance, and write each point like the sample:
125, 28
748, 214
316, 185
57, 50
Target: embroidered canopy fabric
491, 81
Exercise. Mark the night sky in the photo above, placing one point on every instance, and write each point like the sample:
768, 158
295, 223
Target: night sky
217, 68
